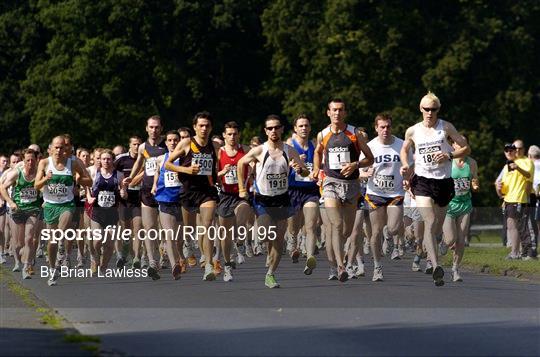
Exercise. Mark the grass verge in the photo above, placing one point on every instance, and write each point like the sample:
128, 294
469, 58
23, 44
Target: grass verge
47, 315
491, 260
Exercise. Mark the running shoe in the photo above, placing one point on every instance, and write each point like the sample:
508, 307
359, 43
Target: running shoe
333, 274
227, 275
192, 261
416, 263
438, 275
136, 263
17, 267
311, 263
377, 274
343, 275
429, 267
163, 261
176, 271
218, 269
183, 266
2, 259
25, 273
257, 250
39, 252
351, 271
395, 254
360, 270
66, 262
53, 279
401, 250
295, 255
153, 271
249, 250
456, 277
240, 258
270, 281
120, 262
209, 273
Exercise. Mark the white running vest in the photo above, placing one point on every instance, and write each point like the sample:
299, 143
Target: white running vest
59, 189
272, 176
386, 180
428, 142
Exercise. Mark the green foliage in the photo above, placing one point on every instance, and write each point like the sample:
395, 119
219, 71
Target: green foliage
98, 69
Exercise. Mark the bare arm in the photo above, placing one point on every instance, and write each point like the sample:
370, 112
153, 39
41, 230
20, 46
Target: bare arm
42, 176
317, 157
137, 166
159, 162
404, 154
9, 180
464, 148
182, 149
297, 163
84, 178
240, 168
475, 184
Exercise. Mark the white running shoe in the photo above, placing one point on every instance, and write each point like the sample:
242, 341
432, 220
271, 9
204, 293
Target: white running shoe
395, 254
401, 250
2, 259
144, 262
456, 277
351, 271
227, 275
240, 258
377, 274
25, 272
360, 270
209, 273
257, 250
202, 259
80, 261
17, 267
333, 274
249, 250
429, 267
415, 266
53, 279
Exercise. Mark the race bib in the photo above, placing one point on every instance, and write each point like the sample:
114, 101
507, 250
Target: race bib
462, 186
231, 177
171, 179
384, 183
277, 183
28, 195
205, 163
57, 190
299, 178
336, 159
150, 166
427, 155
106, 199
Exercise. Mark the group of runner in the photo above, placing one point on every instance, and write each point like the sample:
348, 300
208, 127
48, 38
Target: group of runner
300, 194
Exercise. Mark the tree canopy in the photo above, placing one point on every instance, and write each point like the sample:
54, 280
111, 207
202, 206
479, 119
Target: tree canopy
98, 69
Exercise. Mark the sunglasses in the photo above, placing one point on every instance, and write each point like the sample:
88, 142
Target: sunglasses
430, 110
277, 127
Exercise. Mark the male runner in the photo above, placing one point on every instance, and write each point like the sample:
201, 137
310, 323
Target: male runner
271, 200
232, 210
146, 158
198, 174
25, 205
130, 208
384, 193
304, 194
56, 176
341, 145
432, 183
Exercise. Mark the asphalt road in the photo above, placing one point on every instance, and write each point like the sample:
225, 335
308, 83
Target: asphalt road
404, 315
